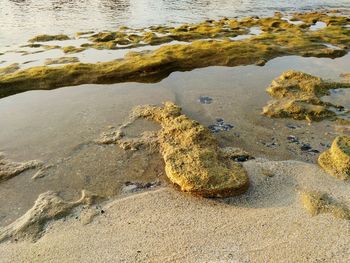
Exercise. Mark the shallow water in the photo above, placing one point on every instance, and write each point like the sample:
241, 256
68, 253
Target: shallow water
20, 20
58, 127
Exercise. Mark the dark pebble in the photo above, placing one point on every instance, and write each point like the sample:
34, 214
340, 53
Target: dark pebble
292, 139
220, 125
205, 100
305, 147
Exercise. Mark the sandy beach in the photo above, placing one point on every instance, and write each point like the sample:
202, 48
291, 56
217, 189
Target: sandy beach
185, 132
267, 224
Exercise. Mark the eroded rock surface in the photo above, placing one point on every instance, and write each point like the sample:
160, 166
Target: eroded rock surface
49, 206
193, 159
336, 160
210, 43
298, 95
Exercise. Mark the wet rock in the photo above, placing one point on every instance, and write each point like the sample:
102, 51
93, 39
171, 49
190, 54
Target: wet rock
293, 126
220, 125
205, 100
305, 147
298, 95
336, 160
130, 187
44, 38
292, 139
193, 159
236, 154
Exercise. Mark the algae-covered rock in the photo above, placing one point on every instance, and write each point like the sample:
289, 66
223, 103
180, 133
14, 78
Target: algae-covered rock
336, 160
45, 38
61, 60
298, 95
72, 49
9, 69
193, 159
49, 206
214, 46
318, 202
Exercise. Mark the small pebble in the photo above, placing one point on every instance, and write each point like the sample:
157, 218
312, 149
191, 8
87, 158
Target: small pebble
205, 100
220, 125
305, 147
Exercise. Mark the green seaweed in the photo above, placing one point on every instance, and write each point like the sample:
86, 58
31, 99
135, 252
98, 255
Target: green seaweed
45, 38
279, 38
298, 95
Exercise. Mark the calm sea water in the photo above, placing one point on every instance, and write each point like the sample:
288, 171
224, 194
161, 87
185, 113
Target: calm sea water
22, 19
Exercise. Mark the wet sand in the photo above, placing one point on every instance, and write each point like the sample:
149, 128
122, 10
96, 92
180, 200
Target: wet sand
59, 127
267, 224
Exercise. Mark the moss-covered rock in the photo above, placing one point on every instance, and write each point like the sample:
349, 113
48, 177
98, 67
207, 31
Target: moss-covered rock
213, 47
193, 159
298, 95
61, 60
45, 38
336, 160
72, 49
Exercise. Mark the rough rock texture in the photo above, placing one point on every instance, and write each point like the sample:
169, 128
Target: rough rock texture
298, 95
193, 159
49, 206
319, 202
210, 43
336, 160
44, 38
61, 60
9, 169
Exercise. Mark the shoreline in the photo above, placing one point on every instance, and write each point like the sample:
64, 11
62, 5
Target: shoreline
130, 228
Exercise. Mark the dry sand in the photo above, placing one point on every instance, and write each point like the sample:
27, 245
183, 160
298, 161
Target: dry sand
267, 224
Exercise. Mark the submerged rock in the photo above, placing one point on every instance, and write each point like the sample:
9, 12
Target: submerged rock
317, 203
9, 69
220, 125
336, 160
298, 95
49, 206
9, 169
209, 44
45, 38
193, 159
205, 100
61, 60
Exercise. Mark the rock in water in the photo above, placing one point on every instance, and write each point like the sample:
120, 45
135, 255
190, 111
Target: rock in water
336, 160
193, 159
298, 95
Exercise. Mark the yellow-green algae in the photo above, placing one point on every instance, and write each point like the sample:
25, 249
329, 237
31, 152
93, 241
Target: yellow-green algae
336, 160
45, 38
72, 49
318, 203
9, 69
279, 38
298, 95
192, 157
61, 60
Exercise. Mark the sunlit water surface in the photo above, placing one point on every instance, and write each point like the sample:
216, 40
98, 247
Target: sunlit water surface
22, 19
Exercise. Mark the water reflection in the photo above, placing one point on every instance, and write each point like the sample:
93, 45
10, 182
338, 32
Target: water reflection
21, 19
